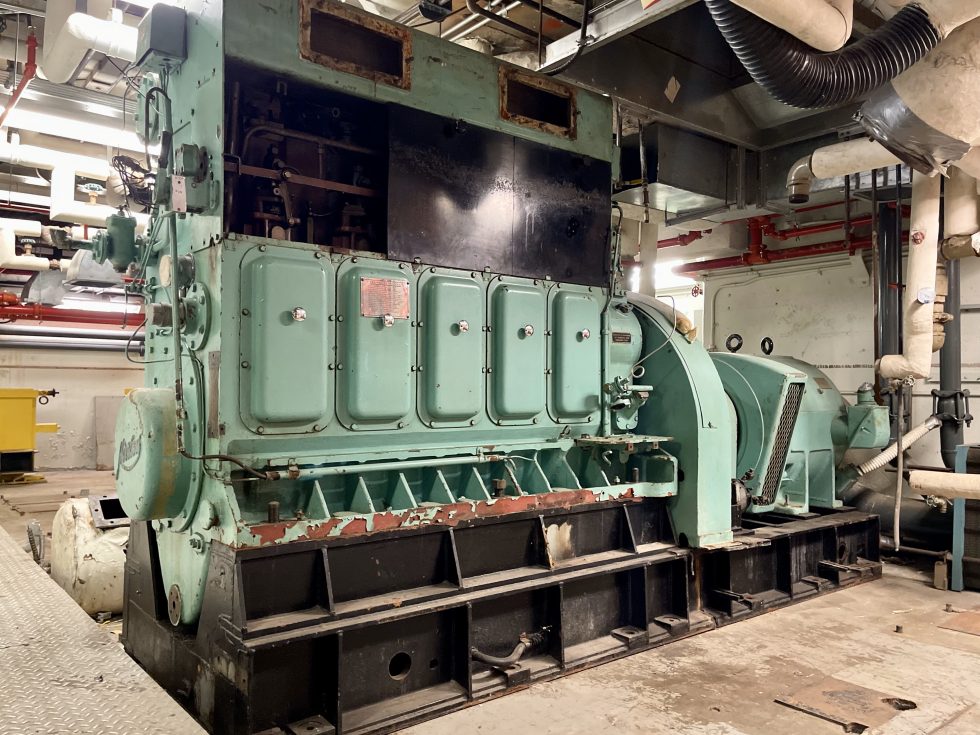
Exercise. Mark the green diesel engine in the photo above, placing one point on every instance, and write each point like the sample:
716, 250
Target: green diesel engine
405, 440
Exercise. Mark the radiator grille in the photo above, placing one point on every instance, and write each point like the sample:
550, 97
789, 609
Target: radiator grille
780, 445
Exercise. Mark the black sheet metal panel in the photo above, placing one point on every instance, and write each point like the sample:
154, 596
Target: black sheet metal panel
466, 197
308, 633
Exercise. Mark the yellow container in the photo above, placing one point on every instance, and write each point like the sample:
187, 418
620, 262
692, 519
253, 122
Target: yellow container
18, 419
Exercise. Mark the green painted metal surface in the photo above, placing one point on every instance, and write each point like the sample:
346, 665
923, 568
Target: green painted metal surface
577, 353
355, 393
518, 352
452, 346
688, 404
284, 341
825, 428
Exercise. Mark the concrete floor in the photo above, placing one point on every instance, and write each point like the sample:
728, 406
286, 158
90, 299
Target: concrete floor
725, 682
19, 504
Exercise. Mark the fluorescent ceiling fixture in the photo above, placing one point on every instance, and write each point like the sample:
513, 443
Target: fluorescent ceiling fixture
61, 127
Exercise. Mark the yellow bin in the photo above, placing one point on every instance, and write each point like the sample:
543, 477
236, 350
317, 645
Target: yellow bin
18, 427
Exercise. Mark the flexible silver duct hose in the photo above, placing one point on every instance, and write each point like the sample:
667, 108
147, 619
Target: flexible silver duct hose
910, 438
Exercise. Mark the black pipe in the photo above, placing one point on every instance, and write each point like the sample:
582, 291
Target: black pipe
796, 74
500, 662
551, 13
582, 41
474, 7
922, 525
950, 399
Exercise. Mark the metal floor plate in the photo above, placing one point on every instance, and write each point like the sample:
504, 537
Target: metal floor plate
61, 673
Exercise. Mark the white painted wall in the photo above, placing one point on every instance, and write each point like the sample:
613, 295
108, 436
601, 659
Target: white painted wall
820, 310
80, 376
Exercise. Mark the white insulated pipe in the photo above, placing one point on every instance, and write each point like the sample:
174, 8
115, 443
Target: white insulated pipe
9, 229
961, 213
948, 15
64, 168
920, 284
65, 47
945, 484
838, 159
47, 159
943, 90
823, 24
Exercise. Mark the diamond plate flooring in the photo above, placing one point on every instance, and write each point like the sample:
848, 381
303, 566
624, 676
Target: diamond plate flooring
61, 673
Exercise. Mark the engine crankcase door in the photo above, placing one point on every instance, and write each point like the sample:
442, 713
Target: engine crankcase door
452, 348
287, 295
518, 358
576, 354
375, 344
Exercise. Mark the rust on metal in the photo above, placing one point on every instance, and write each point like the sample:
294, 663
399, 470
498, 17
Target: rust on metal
357, 46
451, 514
511, 79
854, 707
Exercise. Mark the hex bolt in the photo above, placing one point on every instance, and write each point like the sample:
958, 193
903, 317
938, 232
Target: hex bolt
918, 237
260, 429
273, 511
636, 474
245, 364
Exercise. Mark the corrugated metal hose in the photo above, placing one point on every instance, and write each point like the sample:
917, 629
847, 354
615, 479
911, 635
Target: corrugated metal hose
796, 74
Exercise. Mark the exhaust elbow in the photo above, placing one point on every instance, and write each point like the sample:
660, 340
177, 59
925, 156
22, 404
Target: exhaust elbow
799, 180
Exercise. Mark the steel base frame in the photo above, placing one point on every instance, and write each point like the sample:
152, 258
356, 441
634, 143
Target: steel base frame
371, 634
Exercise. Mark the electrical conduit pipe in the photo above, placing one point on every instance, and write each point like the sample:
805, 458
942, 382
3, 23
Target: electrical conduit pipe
908, 439
920, 284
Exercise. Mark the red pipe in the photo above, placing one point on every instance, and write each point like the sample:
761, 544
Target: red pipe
39, 313
30, 69
773, 256
686, 239
815, 229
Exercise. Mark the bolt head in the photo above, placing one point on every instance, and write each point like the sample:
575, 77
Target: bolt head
918, 237
298, 313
